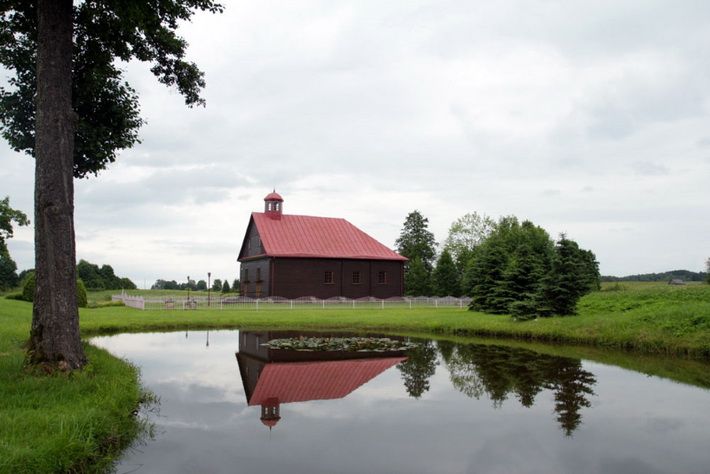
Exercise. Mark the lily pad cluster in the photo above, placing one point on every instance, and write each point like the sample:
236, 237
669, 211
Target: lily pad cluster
345, 344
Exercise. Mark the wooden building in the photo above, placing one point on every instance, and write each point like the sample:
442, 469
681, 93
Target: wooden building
293, 256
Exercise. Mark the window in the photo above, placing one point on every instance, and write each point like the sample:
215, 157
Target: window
328, 278
246, 275
258, 274
382, 278
356, 278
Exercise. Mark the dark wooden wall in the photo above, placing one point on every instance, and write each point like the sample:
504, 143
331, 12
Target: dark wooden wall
296, 277
251, 286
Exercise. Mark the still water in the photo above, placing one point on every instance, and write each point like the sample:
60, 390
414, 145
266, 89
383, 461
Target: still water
230, 404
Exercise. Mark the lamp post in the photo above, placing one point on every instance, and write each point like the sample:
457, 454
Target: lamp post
209, 287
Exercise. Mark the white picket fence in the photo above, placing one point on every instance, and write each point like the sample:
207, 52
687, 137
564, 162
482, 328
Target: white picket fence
243, 302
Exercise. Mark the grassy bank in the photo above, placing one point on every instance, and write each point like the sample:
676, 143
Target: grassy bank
650, 318
60, 422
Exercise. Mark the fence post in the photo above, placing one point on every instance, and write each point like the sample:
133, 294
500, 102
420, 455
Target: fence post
257, 305
291, 301
383, 304
410, 304
436, 303
323, 304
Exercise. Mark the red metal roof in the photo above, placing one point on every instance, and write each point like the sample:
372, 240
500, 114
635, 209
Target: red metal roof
318, 237
323, 380
273, 196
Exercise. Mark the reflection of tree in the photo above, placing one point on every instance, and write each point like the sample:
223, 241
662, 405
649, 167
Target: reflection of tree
572, 384
418, 368
496, 371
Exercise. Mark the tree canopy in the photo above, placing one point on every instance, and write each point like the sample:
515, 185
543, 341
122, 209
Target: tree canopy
102, 278
446, 278
417, 280
465, 234
106, 33
416, 241
9, 217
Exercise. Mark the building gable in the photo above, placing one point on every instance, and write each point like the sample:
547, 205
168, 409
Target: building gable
252, 245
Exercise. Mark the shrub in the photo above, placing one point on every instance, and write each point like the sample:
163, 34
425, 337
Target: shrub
15, 296
81, 299
28, 291
28, 287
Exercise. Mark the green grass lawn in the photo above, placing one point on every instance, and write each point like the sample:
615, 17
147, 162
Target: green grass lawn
79, 421
61, 423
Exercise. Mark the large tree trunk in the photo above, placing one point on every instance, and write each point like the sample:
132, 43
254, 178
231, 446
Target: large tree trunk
54, 337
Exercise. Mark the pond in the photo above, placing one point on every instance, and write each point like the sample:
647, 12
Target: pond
229, 403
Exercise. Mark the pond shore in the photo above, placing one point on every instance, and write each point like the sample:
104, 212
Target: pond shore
82, 421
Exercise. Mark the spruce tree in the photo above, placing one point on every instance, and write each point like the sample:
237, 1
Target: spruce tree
521, 282
225, 287
416, 240
417, 281
486, 274
446, 278
565, 283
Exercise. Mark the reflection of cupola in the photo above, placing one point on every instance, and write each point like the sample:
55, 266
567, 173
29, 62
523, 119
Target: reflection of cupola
273, 205
270, 412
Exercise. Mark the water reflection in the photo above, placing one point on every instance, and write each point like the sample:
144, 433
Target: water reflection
419, 367
441, 408
498, 372
274, 376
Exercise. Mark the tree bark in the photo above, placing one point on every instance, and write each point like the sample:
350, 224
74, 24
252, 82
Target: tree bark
54, 337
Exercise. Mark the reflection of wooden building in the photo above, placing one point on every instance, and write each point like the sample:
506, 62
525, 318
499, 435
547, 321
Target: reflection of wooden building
293, 256
272, 376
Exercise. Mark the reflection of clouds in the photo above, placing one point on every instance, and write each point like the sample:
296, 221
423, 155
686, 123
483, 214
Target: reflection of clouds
512, 453
626, 465
192, 370
663, 425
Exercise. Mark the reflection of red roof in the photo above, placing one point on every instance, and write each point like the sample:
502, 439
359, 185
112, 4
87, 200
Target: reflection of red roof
271, 422
326, 380
318, 237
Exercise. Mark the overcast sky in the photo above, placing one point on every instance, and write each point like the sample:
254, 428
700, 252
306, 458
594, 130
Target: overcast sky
590, 118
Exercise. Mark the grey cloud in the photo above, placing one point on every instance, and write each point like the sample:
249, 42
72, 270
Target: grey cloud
644, 168
170, 186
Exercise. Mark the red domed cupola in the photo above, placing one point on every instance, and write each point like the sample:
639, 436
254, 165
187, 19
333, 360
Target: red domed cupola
270, 412
273, 205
